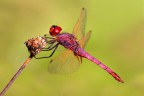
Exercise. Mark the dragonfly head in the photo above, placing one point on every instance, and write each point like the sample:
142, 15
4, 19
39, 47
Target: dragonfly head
55, 30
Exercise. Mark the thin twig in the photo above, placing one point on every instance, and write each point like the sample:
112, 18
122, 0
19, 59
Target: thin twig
16, 75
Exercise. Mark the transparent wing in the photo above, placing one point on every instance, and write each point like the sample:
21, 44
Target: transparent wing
79, 28
83, 41
65, 63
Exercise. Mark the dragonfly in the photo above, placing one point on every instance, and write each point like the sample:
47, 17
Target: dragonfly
70, 60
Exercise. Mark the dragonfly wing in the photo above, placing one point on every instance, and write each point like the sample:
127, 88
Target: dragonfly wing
65, 63
83, 41
79, 28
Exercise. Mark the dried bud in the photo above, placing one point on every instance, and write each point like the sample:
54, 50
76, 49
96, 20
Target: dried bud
35, 45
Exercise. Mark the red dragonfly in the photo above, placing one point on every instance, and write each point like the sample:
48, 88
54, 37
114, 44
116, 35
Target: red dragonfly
66, 62
74, 43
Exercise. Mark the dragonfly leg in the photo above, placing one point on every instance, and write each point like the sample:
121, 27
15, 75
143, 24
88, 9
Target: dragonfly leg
50, 41
47, 36
55, 47
50, 47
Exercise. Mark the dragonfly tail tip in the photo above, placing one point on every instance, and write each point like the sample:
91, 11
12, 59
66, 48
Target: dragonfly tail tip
117, 77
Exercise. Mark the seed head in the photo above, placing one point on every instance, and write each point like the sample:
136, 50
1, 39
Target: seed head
35, 45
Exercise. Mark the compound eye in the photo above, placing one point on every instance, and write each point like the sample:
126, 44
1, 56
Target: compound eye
55, 30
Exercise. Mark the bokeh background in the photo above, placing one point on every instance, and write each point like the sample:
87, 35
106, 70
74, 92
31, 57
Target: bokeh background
117, 40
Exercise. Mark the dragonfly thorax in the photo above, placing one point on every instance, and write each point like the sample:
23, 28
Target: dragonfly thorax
67, 40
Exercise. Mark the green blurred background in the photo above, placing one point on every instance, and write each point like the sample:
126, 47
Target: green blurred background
117, 40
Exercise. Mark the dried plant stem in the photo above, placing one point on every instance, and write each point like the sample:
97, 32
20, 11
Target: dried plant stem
16, 75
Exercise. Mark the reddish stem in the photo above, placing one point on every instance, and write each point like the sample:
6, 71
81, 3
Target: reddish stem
16, 75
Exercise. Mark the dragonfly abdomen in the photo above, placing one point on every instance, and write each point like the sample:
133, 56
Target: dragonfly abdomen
83, 53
